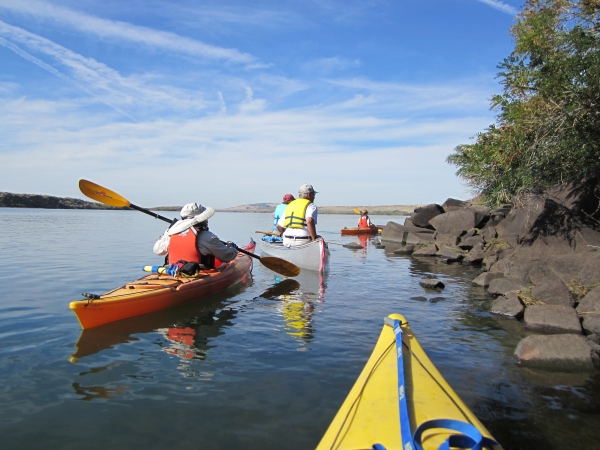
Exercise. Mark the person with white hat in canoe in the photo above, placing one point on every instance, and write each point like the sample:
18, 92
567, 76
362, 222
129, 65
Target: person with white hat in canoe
298, 224
190, 240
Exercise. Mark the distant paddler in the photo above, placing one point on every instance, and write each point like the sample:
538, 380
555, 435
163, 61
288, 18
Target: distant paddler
298, 225
364, 221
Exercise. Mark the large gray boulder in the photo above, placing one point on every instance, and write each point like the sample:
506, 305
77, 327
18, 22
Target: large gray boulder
470, 242
452, 254
566, 352
428, 250
591, 324
401, 234
509, 305
449, 239
500, 286
460, 221
519, 221
552, 319
488, 233
590, 303
452, 204
424, 214
552, 291
486, 278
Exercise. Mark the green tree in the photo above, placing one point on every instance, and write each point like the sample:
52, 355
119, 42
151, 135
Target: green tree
548, 121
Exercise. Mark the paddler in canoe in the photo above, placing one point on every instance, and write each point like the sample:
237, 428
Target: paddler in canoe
298, 225
274, 236
191, 241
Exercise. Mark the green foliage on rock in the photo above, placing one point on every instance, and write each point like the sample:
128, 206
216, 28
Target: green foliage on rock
548, 122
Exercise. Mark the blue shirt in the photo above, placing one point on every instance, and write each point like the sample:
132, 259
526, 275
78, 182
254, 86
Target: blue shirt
279, 211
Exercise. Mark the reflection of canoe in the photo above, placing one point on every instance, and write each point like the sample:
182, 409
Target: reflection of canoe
370, 414
159, 291
355, 231
313, 255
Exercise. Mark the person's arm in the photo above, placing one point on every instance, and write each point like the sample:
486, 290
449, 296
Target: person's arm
208, 243
280, 224
162, 245
312, 227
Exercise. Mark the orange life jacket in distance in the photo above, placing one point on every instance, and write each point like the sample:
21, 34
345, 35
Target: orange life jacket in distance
363, 222
182, 247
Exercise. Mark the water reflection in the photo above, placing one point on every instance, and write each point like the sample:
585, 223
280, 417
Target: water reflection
187, 328
297, 299
89, 393
191, 338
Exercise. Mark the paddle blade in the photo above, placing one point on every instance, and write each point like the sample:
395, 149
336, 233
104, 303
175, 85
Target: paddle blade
280, 266
102, 195
356, 211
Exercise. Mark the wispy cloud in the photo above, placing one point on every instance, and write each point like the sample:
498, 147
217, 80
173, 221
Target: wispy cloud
52, 70
501, 6
126, 32
327, 66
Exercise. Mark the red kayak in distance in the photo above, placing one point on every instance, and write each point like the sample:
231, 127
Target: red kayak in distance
370, 230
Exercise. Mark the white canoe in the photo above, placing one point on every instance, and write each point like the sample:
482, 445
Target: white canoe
313, 255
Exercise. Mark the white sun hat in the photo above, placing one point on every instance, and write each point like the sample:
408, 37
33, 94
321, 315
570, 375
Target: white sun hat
192, 214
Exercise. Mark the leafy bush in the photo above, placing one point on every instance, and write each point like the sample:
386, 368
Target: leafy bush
548, 122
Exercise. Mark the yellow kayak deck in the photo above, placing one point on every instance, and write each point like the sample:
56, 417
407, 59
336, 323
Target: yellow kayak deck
370, 414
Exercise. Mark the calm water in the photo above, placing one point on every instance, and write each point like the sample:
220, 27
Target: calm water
263, 365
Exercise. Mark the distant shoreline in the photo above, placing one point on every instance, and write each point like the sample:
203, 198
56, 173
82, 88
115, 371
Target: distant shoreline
10, 200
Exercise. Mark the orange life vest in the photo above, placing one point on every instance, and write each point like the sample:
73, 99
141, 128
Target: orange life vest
363, 222
182, 247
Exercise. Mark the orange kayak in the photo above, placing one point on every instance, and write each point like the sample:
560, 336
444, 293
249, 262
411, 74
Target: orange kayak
160, 291
354, 231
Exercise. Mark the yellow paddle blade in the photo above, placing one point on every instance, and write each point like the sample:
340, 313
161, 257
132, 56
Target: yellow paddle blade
281, 266
102, 195
356, 211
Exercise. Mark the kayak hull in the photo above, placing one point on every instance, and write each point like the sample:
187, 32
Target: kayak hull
370, 414
313, 255
355, 231
159, 291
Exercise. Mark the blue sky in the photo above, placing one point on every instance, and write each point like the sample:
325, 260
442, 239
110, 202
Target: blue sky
231, 102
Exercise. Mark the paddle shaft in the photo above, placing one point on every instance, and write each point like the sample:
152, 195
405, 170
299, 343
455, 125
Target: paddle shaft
150, 213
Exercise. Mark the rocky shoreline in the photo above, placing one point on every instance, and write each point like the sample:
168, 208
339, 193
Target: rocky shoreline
540, 259
9, 200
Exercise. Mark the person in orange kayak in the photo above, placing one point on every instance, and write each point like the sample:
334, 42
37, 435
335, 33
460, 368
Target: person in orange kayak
190, 240
364, 221
299, 222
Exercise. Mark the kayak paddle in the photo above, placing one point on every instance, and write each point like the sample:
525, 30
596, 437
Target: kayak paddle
111, 198
268, 233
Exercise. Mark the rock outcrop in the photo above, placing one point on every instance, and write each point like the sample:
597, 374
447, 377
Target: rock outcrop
540, 257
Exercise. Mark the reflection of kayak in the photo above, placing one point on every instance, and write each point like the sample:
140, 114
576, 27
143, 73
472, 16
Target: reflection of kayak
354, 231
370, 414
313, 255
159, 291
